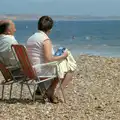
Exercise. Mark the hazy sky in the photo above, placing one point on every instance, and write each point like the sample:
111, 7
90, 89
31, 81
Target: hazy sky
61, 7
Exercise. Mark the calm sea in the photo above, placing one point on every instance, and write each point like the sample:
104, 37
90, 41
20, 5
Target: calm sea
80, 37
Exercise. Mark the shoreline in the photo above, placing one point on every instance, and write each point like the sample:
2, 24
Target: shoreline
92, 55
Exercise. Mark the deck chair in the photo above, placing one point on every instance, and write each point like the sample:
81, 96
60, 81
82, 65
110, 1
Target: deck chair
9, 79
28, 69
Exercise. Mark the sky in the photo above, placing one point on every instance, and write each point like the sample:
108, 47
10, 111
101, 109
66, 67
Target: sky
61, 7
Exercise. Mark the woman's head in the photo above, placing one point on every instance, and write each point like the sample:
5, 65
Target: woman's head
45, 24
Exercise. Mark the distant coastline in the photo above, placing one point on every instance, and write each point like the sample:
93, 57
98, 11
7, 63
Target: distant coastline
57, 18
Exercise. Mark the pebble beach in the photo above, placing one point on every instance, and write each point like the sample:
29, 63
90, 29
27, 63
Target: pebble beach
93, 94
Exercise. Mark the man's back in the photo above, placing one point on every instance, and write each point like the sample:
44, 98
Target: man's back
6, 55
7, 30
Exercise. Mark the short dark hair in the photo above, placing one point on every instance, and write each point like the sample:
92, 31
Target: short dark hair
45, 23
4, 27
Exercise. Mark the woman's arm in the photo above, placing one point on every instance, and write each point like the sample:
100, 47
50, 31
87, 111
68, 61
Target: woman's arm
48, 52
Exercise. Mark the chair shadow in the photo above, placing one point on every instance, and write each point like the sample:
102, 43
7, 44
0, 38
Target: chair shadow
22, 101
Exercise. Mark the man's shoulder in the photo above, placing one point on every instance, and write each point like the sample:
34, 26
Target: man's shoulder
9, 39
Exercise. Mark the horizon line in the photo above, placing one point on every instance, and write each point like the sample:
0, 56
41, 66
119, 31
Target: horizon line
9, 14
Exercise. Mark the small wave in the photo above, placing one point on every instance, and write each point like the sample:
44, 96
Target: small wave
87, 37
104, 45
91, 37
114, 45
26, 26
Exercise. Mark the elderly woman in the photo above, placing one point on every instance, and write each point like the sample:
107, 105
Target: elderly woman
39, 48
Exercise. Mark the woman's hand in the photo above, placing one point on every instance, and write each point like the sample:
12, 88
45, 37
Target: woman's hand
48, 52
65, 54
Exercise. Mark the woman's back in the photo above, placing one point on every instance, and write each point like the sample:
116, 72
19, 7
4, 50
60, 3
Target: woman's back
35, 47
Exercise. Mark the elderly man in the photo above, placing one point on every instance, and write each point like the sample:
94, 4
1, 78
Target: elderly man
7, 30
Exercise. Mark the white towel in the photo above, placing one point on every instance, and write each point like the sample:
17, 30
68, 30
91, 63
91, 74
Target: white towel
69, 64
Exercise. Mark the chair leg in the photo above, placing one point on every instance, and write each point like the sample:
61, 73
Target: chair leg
2, 91
34, 93
30, 91
21, 90
42, 94
10, 90
41, 90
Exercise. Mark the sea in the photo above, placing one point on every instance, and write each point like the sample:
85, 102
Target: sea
101, 38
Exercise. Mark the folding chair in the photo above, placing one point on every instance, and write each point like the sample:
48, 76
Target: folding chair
28, 69
9, 78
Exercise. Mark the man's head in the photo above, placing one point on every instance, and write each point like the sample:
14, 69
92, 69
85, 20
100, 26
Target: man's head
45, 24
7, 27
3, 27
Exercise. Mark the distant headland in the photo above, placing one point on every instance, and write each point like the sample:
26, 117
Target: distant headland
58, 17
